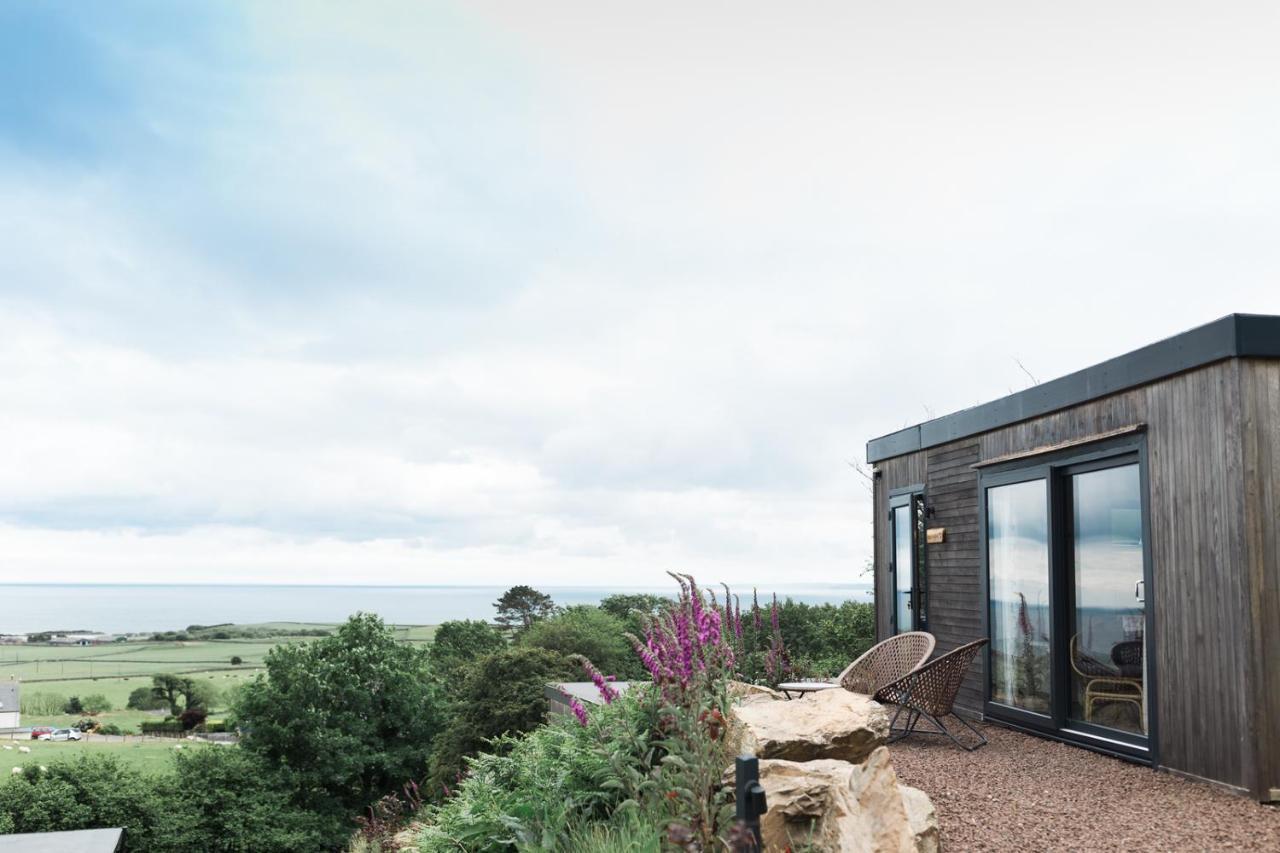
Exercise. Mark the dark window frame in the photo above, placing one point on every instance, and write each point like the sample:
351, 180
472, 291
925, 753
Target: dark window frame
914, 497
1054, 468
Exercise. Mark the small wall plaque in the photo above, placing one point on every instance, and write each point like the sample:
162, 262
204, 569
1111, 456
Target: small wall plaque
935, 535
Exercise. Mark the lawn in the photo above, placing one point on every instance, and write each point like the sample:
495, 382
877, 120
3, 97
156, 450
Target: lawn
151, 756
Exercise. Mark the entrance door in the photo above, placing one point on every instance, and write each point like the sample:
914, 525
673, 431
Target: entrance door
906, 537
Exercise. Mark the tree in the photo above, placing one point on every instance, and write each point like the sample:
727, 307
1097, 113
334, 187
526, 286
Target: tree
236, 660
347, 718
501, 693
145, 699
180, 693
588, 631
521, 606
229, 800
460, 643
630, 607
73, 706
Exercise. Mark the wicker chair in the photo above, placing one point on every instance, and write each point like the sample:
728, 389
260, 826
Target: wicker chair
887, 662
930, 691
1106, 683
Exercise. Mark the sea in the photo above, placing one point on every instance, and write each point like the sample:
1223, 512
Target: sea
135, 608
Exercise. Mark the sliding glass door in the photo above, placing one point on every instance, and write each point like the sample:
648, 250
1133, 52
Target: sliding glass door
1107, 608
1018, 561
1067, 573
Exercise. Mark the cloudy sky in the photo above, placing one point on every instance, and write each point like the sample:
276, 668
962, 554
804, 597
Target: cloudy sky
578, 292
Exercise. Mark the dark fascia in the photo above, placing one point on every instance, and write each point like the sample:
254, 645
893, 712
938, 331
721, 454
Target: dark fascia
1234, 336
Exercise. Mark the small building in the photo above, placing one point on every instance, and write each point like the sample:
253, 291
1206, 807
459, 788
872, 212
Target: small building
12, 639
1115, 534
10, 705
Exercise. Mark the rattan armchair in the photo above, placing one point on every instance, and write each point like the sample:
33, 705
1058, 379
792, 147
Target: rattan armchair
882, 663
887, 661
930, 692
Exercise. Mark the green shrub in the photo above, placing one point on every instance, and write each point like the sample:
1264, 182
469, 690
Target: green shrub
535, 791
73, 706
588, 631
161, 727
111, 729
631, 608
42, 703
95, 790
501, 693
95, 703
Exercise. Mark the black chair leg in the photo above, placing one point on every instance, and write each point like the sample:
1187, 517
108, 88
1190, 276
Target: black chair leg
913, 718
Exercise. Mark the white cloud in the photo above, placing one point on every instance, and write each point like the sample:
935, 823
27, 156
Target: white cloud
576, 294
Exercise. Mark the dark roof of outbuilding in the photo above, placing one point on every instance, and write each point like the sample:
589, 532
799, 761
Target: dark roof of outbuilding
1234, 336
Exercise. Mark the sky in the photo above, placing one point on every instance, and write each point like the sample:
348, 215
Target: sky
578, 293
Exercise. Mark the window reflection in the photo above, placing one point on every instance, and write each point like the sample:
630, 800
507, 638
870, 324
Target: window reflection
903, 564
1018, 563
1108, 647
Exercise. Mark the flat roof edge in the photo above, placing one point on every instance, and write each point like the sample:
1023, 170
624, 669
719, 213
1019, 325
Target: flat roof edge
1233, 336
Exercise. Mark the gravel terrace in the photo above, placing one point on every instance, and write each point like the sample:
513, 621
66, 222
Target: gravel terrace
1029, 794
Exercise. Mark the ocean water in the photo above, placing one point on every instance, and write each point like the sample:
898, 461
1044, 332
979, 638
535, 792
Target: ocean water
120, 608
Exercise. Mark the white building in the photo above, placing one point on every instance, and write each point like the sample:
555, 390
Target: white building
10, 718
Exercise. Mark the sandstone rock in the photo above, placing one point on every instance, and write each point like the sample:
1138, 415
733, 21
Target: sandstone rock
743, 690
832, 724
837, 806
923, 819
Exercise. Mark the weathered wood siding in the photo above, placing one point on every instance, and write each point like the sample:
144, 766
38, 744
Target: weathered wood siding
1260, 395
1214, 676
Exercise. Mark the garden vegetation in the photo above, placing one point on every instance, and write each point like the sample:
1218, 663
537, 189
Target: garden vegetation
353, 737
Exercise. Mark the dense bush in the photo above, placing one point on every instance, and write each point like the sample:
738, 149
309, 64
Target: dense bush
93, 791
192, 717
95, 703
347, 718
501, 694
161, 727
227, 800
588, 631
214, 799
111, 729
640, 768
73, 705
530, 790
41, 703
458, 645
236, 660
825, 638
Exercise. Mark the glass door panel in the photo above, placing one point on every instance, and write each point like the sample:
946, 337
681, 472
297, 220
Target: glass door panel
903, 568
1107, 648
1018, 583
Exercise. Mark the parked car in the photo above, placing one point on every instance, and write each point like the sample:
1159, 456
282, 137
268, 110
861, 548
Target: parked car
62, 734
38, 731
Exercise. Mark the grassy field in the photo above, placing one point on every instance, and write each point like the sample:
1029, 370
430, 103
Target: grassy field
146, 755
116, 669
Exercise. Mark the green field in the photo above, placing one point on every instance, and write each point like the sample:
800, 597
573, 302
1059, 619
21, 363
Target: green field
116, 669
150, 755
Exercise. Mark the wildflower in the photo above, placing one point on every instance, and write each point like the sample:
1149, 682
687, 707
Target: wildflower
578, 711
602, 685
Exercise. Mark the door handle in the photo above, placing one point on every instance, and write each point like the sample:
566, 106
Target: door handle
1139, 592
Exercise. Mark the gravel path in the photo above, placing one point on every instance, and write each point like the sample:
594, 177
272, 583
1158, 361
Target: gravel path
1026, 793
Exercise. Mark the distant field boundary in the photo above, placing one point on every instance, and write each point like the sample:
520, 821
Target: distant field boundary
120, 675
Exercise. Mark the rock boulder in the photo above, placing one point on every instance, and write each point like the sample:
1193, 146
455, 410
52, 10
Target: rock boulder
832, 724
834, 805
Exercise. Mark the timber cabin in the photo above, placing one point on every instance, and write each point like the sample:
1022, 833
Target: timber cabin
1115, 533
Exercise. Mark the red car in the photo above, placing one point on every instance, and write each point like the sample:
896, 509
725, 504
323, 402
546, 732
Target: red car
41, 730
